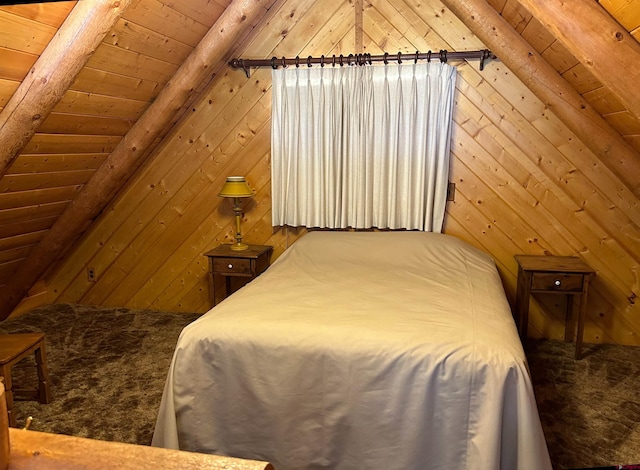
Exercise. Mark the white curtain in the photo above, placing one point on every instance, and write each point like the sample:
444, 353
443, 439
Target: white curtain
361, 146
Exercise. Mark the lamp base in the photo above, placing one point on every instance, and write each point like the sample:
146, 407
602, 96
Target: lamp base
239, 246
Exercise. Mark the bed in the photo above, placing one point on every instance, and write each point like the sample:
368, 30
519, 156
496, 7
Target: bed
359, 350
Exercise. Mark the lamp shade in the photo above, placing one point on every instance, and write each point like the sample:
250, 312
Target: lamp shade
235, 186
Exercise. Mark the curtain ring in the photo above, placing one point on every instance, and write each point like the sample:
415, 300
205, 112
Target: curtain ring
297, 61
273, 63
309, 61
341, 60
284, 62
369, 57
429, 56
322, 61
399, 57
334, 60
386, 61
349, 59
416, 59
443, 56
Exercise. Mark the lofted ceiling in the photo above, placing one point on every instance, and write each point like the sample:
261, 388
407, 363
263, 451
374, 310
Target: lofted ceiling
575, 72
143, 52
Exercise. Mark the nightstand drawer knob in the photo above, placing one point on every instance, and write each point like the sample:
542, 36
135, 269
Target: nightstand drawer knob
230, 266
557, 282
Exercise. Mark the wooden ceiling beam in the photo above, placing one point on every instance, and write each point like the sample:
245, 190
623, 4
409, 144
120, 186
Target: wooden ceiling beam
126, 157
549, 86
598, 41
54, 72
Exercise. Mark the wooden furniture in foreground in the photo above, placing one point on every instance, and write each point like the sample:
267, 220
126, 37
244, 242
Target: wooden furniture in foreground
4, 430
223, 261
553, 275
39, 450
14, 348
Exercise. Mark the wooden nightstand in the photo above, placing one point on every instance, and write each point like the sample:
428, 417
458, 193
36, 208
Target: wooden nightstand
553, 275
248, 263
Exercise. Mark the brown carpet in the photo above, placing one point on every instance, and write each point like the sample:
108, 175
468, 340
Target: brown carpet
590, 409
108, 366
107, 369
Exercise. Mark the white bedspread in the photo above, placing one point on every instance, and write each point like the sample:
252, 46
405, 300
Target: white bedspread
391, 350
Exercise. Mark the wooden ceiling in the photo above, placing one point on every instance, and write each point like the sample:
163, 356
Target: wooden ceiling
575, 72
125, 75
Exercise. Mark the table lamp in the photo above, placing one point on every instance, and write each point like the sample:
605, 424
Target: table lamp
236, 187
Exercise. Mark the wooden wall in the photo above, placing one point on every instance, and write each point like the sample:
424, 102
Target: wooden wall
524, 183
121, 79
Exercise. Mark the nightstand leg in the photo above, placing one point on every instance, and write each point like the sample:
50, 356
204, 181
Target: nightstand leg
582, 316
212, 285
580, 328
569, 325
523, 292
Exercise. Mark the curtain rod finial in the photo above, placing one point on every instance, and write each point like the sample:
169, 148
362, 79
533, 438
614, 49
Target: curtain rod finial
240, 64
486, 54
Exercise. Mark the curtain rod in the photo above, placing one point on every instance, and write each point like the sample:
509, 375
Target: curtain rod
361, 59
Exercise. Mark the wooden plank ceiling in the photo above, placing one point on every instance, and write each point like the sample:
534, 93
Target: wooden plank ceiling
627, 13
153, 38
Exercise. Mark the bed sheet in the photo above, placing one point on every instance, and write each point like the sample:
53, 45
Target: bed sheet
390, 350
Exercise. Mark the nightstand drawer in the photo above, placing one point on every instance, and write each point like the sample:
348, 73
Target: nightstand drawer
232, 266
557, 282
240, 265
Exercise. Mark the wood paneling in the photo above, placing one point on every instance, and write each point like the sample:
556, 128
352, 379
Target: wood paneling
50, 163
168, 21
75, 124
51, 15
136, 38
11, 34
36, 197
626, 12
123, 77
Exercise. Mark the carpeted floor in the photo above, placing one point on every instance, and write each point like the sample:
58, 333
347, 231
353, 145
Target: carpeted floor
108, 366
107, 369
590, 409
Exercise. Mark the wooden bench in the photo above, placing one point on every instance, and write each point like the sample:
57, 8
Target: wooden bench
14, 348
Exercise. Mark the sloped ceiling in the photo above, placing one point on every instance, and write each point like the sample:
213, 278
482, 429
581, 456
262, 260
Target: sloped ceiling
121, 78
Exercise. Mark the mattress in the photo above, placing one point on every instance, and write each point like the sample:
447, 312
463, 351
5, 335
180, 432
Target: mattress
359, 350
